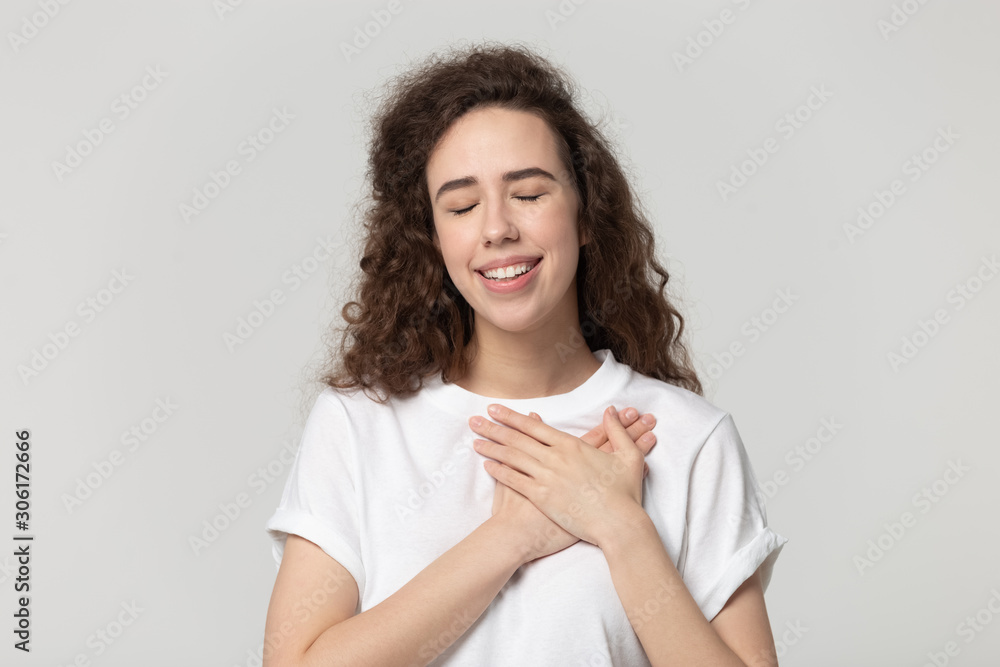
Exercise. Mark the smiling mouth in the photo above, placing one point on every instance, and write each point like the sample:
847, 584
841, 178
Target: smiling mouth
531, 268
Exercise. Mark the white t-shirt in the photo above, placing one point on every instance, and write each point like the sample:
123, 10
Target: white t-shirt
386, 489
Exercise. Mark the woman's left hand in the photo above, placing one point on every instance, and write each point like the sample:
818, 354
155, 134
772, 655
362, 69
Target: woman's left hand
586, 491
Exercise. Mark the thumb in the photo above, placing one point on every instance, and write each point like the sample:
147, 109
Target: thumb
619, 438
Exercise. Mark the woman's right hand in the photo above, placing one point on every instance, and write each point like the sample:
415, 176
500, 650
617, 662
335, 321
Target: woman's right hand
538, 534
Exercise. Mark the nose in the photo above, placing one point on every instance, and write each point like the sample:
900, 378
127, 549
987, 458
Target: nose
498, 223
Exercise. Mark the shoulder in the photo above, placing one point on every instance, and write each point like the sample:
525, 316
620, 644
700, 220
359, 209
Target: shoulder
681, 406
354, 404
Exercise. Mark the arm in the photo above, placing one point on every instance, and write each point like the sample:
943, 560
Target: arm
597, 496
310, 623
421, 619
667, 620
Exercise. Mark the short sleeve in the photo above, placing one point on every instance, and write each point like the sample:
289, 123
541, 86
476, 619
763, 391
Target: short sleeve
319, 502
727, 537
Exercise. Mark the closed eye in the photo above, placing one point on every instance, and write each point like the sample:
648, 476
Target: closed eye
463, 211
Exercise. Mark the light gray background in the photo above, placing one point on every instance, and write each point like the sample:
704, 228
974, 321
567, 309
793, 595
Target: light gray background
680, 131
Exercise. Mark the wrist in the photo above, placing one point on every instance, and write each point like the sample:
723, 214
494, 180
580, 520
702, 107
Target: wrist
631, 525
506, 541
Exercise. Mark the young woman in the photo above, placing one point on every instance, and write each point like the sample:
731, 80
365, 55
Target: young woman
448, 504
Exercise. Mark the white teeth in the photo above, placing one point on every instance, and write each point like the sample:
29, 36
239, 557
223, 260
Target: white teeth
508, 272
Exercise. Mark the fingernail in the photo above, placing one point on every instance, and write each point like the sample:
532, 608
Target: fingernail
493, 409
613, 411
629, 414
476, 421
648, 420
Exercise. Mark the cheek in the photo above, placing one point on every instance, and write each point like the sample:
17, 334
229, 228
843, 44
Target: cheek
457, 245
455, 255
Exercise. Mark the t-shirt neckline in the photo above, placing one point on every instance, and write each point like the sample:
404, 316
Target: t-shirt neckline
584, 399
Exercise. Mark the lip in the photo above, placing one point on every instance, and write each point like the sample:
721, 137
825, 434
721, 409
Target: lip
507, 261
510, 286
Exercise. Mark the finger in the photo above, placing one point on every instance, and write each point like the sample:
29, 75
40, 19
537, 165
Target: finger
536, 416
510, 456
645, 442
617, 435
514, 426
640, 434
644, 425
517, 481
596, 436
511, 437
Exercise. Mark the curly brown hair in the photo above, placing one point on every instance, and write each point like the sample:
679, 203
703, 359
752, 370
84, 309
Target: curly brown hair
409, 317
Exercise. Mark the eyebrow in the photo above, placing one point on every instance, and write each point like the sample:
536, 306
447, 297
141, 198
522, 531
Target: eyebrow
508, 177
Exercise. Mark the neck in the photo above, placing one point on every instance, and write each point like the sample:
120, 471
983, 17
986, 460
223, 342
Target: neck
527, 364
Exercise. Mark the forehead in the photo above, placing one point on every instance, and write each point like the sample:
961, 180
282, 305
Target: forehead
493, 140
